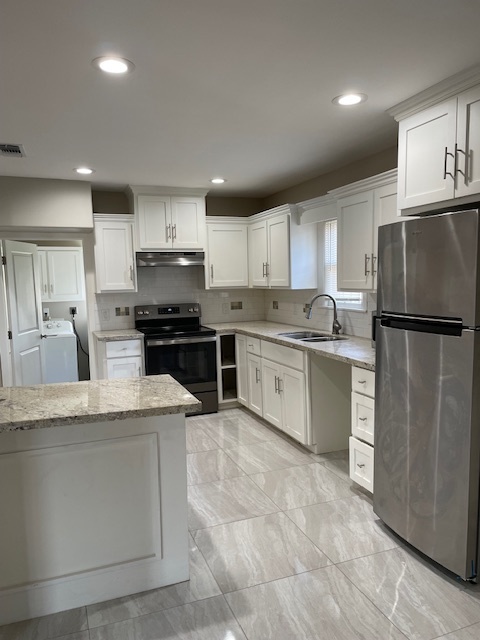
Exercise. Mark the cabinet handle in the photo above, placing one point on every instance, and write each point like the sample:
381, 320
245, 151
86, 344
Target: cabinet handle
139, 372
174, 232
360, 465
363, 419
168, 230
465, 166
445, 172
45, 288
211, 272
362, 382
51, 288
263, 270
367, 258
267, 269
374, 260
131, 273
257, 375
276, 384
280, 388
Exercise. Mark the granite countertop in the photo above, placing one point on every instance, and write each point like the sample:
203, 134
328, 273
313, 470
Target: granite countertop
354, 351
56, 405
118, 334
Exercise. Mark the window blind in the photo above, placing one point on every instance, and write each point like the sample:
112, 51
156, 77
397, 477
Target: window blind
349, 299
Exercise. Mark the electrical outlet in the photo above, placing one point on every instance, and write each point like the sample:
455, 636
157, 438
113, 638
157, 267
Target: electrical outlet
122, 311
225, 307
235, 306
105, 314
275, 304
73, 311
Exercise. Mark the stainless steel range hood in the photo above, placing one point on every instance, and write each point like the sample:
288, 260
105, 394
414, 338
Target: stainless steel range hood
171, 259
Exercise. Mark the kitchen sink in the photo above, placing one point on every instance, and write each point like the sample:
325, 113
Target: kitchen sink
312, 336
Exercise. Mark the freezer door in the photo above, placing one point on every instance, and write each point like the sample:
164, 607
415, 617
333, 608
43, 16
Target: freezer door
429, 267
426, 472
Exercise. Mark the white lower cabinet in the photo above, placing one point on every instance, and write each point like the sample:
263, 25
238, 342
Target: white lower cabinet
242, 373
254, 377
119, 358
272, 400
363, 418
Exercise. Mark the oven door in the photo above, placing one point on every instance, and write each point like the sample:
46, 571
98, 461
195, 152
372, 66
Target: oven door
191, 361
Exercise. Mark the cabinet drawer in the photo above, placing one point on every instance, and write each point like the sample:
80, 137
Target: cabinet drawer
124, 367
253, 345
123, 348
363, 381
363, 416
283, 355
361, 463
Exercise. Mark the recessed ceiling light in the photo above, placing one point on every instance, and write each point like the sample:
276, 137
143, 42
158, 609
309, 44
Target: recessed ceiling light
349, 99
85, 171
117, 66
218, 180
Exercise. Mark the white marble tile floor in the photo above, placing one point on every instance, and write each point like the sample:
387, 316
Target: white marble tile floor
283, 547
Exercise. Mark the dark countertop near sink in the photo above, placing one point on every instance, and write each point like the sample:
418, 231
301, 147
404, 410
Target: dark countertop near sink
354, 351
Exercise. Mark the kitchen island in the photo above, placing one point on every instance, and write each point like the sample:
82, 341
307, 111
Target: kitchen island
92, 492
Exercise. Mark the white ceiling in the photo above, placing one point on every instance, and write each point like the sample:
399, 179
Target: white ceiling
238, 88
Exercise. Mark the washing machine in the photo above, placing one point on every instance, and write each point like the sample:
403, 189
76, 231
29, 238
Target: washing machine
60, 348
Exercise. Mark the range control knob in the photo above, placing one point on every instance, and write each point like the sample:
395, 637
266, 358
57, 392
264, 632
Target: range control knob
58, 324
140, 313
146, 313
195, 309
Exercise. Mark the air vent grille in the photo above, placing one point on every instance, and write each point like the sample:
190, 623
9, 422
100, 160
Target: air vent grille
12, 150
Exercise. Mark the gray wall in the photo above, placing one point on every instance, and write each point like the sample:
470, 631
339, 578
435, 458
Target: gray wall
28, 203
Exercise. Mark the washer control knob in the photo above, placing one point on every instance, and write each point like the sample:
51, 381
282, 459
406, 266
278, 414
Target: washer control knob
49, 325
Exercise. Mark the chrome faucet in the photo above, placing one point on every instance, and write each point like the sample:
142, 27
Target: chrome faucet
336, 327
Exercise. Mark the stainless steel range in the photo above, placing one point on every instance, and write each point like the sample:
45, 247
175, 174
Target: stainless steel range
177, 343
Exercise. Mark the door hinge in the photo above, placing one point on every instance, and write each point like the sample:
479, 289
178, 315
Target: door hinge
4, 260
9, 333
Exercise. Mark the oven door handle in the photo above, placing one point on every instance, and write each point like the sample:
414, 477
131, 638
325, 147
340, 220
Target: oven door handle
165, 341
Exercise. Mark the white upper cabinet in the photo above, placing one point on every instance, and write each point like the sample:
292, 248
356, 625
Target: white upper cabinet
282, 253
227, 255
114, 253
438, 145
61, 272
169, 219
361, 208
426, 156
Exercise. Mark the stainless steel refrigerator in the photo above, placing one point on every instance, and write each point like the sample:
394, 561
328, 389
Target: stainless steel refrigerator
427, 397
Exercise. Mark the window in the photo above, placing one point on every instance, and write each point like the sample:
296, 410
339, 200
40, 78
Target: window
345, 299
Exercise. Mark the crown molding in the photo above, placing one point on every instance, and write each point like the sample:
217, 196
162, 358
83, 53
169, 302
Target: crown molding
437, 93
374, 182
150, 190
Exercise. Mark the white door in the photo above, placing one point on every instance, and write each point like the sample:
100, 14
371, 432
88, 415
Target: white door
272, 400
154, 223
426, 149
65, 273
292, 390
114, 256
468, 143
278, 268
241, 362
254, 368
228, 255
257, 244
355, 242
124, 367
188, 222
25, 312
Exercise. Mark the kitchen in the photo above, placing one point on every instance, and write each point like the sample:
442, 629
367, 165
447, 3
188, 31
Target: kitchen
33, 197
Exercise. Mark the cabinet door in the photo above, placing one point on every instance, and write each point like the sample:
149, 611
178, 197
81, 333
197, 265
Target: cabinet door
227, 255
468, 143
44, 285
278, 267
114, 256
257, 256
426, 147
385, 211
272, 399
188, 222
65, 274
124, 367
355, 242
292, 390
154, 223
241, 361
254, 367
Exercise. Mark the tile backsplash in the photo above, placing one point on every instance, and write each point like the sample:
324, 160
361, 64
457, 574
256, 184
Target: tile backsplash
186, 284
178, 284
